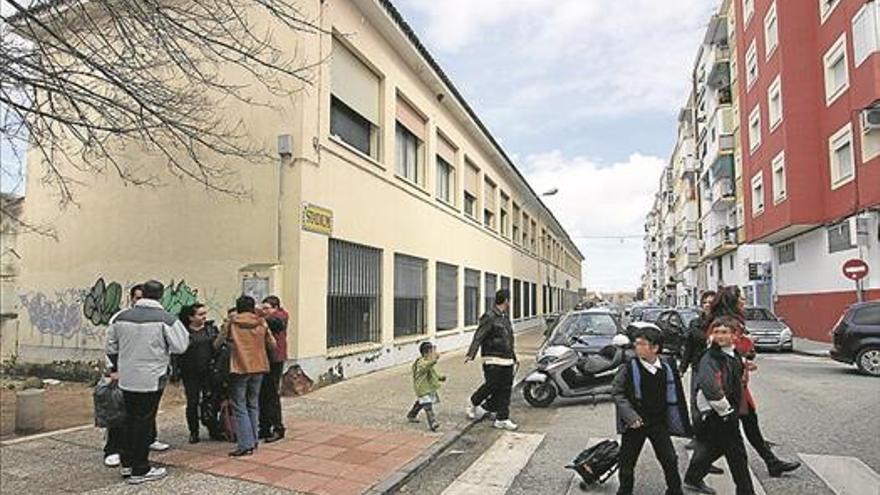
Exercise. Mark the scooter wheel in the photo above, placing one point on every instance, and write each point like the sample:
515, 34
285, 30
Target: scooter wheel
539, 394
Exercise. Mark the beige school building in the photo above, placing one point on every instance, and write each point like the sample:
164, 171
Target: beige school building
391, 216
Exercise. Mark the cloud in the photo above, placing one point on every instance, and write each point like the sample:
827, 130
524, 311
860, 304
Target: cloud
600, 200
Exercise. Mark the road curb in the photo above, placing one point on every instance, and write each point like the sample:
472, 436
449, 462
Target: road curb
416, 465
817, 354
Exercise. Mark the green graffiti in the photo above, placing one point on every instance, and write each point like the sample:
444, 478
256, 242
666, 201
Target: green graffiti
176, 297
102, 301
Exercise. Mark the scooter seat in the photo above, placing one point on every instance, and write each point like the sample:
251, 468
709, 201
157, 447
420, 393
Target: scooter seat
596, 363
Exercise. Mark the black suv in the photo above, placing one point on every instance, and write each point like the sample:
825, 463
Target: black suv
857, 337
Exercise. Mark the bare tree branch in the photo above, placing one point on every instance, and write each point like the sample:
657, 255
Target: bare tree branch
81, 80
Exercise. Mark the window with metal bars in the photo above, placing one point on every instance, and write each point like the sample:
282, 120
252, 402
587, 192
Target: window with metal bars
517, 299
354, 294
534, 293
491, 287
410, 295
471, 297
526, 299
447, 297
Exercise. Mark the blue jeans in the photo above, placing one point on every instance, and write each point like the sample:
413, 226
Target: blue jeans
246, 405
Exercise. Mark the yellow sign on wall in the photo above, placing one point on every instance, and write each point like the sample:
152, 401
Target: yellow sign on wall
317, 219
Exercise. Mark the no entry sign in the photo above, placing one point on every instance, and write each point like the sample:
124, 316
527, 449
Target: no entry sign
855, 269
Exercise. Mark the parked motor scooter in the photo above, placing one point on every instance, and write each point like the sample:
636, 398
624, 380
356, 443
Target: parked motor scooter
561, 371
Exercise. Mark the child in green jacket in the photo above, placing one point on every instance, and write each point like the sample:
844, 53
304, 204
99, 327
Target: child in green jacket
426, 382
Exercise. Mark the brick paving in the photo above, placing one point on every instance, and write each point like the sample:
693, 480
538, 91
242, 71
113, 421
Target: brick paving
316, 457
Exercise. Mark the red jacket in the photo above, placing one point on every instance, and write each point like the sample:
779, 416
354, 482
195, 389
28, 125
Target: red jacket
277, 322
746, 347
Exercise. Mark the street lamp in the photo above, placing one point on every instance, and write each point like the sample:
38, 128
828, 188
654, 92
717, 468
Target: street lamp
551, 192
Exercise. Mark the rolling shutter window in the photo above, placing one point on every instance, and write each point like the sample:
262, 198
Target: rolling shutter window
471, 179
447, 297
490, 196
409, 118
409, 295
354, 83
445, 150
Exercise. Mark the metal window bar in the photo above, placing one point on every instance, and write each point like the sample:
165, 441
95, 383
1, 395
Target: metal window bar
471, 297
354, 294
410, 295
447, 297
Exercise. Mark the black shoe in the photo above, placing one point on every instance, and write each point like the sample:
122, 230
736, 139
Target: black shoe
699, 487
277, 435
193, 438
241, 452
264, 435
777, 467
715, 470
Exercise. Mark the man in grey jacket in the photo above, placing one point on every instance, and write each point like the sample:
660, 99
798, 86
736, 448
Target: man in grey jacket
140, 342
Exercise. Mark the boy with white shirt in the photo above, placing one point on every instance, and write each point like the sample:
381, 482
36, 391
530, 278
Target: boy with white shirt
650, 405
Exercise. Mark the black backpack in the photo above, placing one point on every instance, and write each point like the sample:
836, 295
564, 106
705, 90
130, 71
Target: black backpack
597, 463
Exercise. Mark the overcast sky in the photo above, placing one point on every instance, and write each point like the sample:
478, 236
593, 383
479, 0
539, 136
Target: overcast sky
584, 94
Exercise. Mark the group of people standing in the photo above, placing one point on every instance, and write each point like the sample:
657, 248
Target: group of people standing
240, 362
650, 401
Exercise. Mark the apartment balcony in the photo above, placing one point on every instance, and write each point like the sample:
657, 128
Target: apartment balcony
688, 165
723, 195
719, 67
721, 242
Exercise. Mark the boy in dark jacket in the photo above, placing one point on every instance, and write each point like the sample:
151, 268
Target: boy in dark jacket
718, 395
649, 401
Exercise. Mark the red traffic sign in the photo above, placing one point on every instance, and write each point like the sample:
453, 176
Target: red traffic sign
855, 269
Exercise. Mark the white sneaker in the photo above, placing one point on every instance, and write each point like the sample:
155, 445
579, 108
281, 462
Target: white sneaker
505, 425
111, 460
158, 446
152, 475
125, 472
475, 412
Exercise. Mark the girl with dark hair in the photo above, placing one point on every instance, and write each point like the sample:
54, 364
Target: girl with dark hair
730, 303
195, 369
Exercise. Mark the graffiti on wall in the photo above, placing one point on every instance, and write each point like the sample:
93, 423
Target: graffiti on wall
60, 315
176, 297
102, 301
72, 312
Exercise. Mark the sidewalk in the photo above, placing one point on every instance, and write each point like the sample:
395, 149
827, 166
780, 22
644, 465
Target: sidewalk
811, 347
348, 438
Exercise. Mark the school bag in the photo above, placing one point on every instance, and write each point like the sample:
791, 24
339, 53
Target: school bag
109, 404
597, 463
227, 421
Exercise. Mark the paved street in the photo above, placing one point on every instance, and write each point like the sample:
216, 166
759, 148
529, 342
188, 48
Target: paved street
818, 411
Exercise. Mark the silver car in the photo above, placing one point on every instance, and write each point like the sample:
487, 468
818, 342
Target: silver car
767, 331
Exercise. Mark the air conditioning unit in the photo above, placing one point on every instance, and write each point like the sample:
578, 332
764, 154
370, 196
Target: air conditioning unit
871, 119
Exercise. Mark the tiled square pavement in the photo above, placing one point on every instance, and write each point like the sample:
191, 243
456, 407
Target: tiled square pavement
315, 457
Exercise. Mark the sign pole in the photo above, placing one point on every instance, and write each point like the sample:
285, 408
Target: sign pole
860, 292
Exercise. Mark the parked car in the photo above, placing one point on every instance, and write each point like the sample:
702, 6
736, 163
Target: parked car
856, 337
595, 328
767, 331
650, 314
673, 324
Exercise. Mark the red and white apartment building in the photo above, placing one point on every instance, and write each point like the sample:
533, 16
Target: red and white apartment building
809, 94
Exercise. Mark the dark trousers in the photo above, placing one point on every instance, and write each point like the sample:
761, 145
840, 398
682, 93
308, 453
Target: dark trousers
115, 441
140, 425
630, 449
270, 401
196, 388
721, 438
418, 407
495, 391
753, 433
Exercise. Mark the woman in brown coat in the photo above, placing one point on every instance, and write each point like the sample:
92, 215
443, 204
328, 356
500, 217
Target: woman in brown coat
250, 341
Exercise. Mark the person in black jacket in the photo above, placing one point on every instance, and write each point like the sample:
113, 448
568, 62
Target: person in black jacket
695, 341
650, 404
494, 339
195, 368
717, 397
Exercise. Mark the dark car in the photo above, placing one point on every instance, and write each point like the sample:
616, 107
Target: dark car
594, 329
646, 313
857, 337
673, 324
